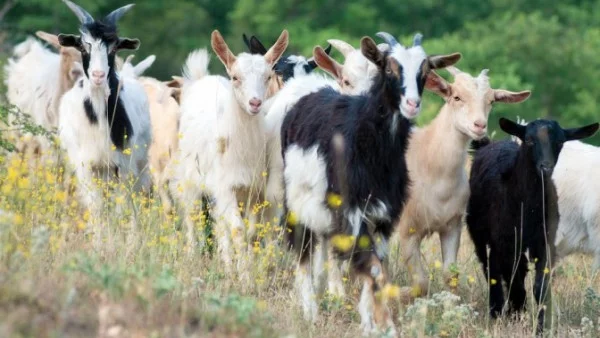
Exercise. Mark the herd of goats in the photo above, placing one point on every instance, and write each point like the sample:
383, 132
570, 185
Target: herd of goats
338, 154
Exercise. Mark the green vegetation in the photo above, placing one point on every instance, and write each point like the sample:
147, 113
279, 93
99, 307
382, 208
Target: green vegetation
551, 49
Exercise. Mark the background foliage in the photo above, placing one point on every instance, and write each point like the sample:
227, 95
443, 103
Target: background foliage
550, 48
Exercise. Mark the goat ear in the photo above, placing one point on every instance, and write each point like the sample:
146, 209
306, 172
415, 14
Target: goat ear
443, 61
512, 128
505, 96
69, 40
176, 82
275, 52
129, 44
579, 133
256, 47
371, 52
326, 63
49, 38
437, 84
176, 94
222, 50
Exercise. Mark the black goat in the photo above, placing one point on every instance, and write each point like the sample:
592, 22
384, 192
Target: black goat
513, 208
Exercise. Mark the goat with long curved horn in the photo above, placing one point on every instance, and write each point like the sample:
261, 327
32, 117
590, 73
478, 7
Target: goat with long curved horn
115, 15
83, 16
389, 38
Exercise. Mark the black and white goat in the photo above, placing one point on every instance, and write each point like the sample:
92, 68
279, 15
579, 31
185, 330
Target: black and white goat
374, 128
104, 123
288, 66
513, 208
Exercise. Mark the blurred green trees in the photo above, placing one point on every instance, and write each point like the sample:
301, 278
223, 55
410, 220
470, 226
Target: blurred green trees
551, 48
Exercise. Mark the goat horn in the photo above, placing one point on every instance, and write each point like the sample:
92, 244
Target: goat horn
342, 46
115, 15
484, 73
417, 39
83, 16
389, 39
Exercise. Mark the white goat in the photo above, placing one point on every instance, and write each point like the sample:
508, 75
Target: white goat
104, 122
36, 79
578, 200
436, 158
222, 145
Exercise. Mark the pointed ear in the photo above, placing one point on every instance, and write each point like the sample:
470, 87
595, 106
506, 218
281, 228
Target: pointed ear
443, 61
256, 47
505, 96
222, 50
275, 52
49, 38
437, 84
129, 44
69, 40
579, 133
326, 63
371, 52
512, 128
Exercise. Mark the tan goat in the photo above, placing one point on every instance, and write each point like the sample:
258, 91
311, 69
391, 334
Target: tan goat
436, 158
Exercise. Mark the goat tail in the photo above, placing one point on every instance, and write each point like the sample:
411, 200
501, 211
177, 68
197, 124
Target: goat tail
23, 48
196, 65
476, 145
143, 65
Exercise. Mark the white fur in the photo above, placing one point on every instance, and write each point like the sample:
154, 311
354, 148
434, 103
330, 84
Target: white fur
578, 186
222, 145
305, 193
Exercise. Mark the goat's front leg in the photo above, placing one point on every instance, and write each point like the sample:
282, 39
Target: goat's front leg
229, 225
450, 242
542, 289
411, 257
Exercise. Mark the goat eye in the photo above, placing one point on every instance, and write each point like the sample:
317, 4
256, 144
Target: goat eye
388, 70
234, 78
456, 98
346, 83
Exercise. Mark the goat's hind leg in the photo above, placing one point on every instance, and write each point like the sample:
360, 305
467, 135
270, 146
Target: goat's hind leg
302, 240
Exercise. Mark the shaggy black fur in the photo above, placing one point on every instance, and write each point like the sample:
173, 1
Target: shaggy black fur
513, 208
374, 157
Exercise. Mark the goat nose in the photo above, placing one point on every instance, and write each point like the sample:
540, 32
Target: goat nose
413, 103
98, 73
255, 103
480, 124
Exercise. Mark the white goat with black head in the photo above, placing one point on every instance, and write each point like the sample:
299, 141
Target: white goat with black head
104, 122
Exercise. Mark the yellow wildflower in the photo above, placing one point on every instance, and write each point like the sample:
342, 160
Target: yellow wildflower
364, 242
437, 264
342, 242
127, 151
292, 218
546, 271
493, 281
334, 200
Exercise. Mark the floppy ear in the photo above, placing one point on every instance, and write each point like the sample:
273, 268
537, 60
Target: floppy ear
126, 43
275, 52
437, 84
579, 133
443, 61
505, 96
512, 128
371, 52
69, 40
327, 63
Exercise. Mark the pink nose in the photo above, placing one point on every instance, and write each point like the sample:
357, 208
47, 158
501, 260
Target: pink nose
255, 103
480, 124
98, 74
413, 103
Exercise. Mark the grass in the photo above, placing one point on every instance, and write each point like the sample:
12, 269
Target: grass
63, 274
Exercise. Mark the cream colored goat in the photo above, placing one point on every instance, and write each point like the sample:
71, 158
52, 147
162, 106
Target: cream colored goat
436, 159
